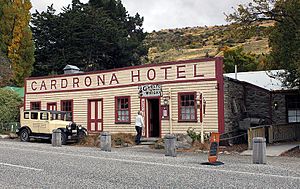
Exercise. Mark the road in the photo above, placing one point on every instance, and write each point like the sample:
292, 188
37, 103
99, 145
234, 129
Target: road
39, 165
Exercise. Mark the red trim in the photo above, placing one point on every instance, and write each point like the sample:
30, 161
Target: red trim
179, 106
145, 114
72, 106
220, 80
116, 109
51, 104
128, 68
128, 85
165, 107
96, 114
38, 102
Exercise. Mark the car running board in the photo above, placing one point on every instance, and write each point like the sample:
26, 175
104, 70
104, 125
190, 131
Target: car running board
40, 137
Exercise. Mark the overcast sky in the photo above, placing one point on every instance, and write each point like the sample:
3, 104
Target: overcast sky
165, 14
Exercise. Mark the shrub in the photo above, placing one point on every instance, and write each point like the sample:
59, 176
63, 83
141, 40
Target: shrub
10, 104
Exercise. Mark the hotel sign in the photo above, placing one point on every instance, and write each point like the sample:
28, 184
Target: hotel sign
150, 90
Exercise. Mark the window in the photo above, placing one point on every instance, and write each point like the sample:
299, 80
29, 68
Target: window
67, 105
187, 107
43, 116
34, 115
26, 115
35, 105
293, 108
122, 109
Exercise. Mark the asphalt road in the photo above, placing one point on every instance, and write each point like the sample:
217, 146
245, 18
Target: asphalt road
39, 165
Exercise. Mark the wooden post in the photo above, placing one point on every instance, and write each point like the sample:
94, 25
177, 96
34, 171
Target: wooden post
271, 134
170, 111
202, 124
249, 138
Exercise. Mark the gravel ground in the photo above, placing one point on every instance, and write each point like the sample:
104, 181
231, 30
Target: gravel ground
39, 165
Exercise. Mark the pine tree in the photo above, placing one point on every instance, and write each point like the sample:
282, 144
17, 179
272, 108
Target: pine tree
93, 36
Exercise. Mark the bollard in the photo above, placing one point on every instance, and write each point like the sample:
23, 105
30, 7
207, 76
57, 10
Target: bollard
105, 141
259, 150
56, 138
170, 145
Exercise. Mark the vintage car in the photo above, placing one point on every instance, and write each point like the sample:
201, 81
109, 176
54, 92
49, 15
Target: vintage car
40, 124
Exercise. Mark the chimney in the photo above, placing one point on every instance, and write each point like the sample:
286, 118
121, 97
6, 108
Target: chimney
70, 69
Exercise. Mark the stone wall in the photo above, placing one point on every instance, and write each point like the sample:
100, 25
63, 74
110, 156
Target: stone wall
258, 102
233, 104
279, 114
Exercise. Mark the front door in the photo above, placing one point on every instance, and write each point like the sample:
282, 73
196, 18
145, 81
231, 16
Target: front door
153, 117
95, 117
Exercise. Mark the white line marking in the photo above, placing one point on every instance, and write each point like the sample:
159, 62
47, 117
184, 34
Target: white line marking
20, 166
162, 164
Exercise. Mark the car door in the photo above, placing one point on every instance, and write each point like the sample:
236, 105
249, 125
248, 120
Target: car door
44, 122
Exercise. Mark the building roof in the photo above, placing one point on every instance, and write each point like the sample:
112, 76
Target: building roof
18, 90
261, 79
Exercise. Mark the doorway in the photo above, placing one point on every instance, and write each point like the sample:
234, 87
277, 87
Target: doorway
95, 115
153, 117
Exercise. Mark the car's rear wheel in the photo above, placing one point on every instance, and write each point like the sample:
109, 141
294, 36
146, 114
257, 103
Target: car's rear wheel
24, 135
63, 138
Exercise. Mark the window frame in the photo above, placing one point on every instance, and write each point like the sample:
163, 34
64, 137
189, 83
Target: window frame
290, 99
72, 107
39, 104
195, 107
116, 109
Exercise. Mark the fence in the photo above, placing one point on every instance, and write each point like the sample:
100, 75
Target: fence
9, 127
253, 132
274, 133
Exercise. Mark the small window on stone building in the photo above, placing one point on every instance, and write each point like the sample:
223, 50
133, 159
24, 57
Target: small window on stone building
234, 107
293, 106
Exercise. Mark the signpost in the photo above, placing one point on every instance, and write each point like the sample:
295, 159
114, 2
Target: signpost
214, 147
213, 150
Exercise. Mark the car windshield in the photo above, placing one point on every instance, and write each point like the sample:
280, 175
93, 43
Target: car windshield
65, 116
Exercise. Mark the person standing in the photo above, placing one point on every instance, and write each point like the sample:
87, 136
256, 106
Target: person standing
139, 124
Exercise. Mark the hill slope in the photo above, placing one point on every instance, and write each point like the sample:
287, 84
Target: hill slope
198, 42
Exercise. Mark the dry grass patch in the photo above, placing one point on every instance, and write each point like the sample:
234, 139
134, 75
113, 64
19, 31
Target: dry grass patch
117, 140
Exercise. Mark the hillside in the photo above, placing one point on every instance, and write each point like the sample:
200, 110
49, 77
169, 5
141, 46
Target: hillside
197, 42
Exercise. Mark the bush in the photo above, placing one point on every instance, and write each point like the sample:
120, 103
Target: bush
10, 104
196, 137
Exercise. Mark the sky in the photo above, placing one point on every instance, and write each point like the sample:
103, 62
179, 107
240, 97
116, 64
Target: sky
166, 14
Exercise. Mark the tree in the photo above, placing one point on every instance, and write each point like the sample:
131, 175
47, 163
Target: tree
236, 56
10, 104
5, 71
93, 36
16, 37
284, 38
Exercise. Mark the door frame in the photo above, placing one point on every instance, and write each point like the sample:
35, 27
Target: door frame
51, 104
89, 115
147, 117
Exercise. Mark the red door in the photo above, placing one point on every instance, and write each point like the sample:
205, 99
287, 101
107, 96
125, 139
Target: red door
95, 115
52, 106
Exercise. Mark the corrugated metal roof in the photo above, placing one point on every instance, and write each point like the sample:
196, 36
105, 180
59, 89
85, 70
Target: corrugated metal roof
261, 79
18, 90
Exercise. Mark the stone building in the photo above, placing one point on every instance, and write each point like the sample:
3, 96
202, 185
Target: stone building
255, 98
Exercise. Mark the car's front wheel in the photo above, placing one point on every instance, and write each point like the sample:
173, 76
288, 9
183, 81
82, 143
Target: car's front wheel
24, 135
81, 136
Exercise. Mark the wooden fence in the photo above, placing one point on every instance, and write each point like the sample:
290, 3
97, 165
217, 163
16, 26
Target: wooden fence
274, 133
253, 132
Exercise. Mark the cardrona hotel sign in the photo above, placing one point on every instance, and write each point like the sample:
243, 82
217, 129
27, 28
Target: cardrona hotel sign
140, 75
